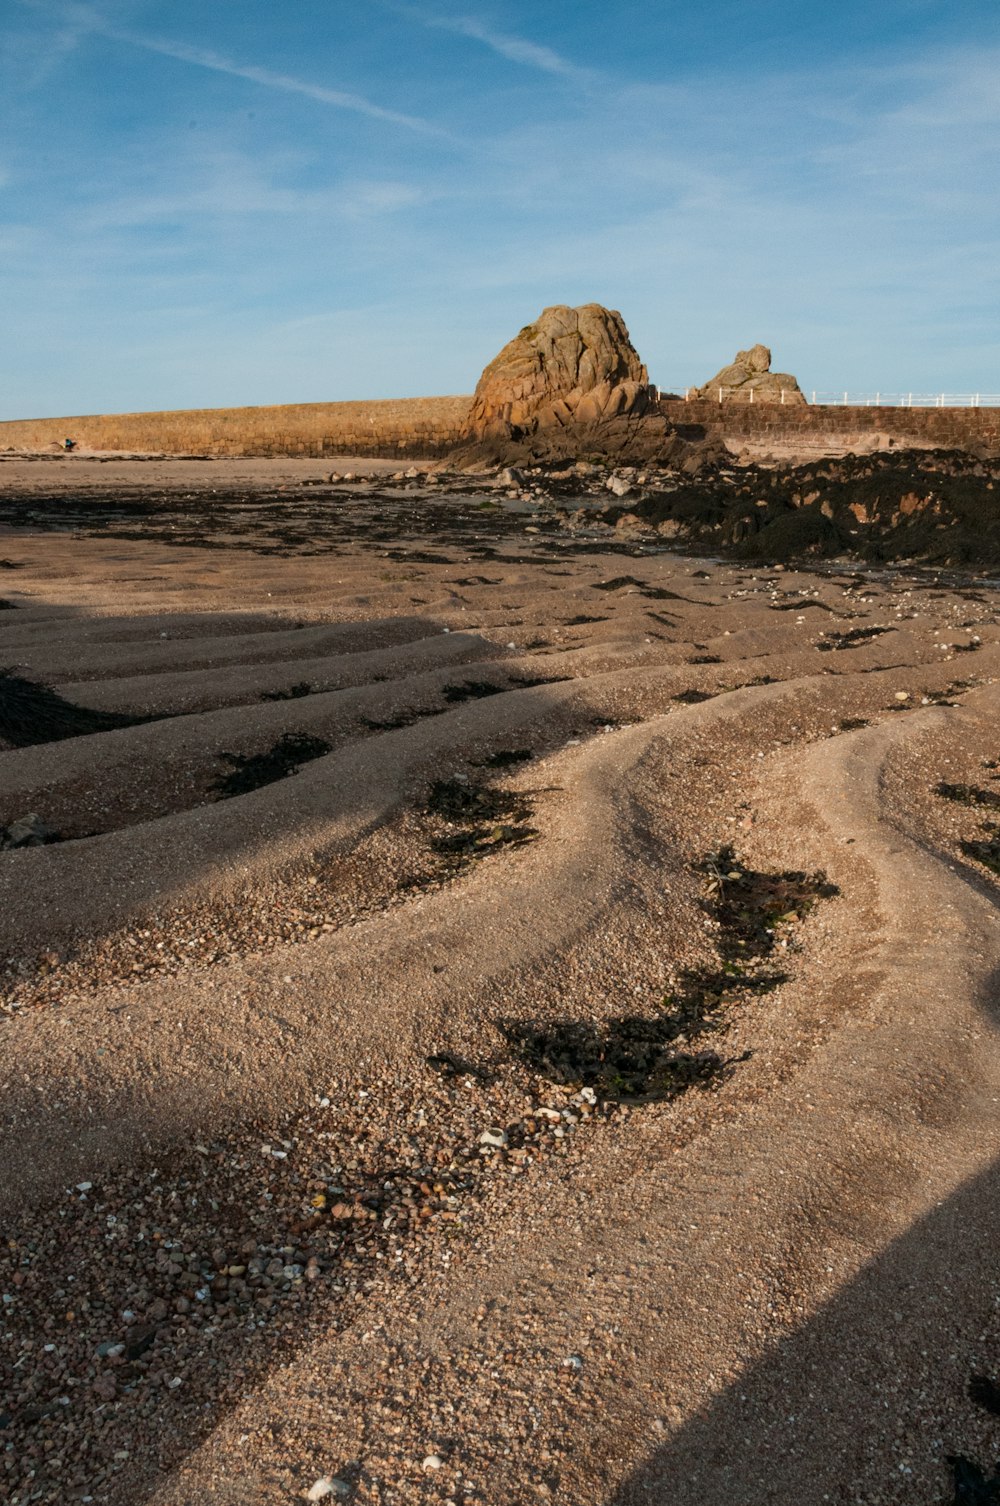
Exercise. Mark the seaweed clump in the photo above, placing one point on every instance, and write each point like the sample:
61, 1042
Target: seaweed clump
968, 794
251, 771
635, 1058
293, 693
478, 819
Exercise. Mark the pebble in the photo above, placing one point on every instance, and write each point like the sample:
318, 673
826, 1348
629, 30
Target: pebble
329, 1485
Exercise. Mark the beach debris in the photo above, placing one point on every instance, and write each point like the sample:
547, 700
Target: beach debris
251, 771
968, 794
852, 639
326, 1487
751, 905
475, 818
293, 693
985, 850
644, 1058
450, 1065
27, 831
505, 758
471, 690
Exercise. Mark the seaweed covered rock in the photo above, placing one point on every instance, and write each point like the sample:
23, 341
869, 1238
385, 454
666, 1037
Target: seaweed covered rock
749, 379
937, 506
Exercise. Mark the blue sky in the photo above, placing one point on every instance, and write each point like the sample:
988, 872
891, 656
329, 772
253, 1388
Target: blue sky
205, 204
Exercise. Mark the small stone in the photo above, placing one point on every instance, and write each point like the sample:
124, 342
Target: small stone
902, 695
328, 1486
433, 1461
28, 831
106, 1387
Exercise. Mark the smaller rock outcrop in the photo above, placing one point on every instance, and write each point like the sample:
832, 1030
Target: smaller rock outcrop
749, 379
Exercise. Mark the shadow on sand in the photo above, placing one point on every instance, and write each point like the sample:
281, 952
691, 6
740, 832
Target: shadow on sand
848, 1408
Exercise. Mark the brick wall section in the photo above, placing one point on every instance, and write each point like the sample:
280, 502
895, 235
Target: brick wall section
405, 427
756, 423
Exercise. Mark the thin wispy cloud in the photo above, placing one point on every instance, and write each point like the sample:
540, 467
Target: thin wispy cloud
200, 58
515, 49
268, 78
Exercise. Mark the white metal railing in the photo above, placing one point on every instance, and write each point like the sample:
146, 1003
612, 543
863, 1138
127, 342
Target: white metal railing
870, 399
908, 399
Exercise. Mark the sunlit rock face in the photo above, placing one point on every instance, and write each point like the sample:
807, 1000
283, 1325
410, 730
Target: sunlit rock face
572, 367
570, 385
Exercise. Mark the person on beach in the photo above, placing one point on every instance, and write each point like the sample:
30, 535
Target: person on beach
69, 444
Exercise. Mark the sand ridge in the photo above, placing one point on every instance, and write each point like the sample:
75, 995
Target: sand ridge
283, 1195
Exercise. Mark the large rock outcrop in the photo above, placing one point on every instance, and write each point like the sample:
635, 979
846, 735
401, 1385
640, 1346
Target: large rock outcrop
749, 379
572, 366
571, 384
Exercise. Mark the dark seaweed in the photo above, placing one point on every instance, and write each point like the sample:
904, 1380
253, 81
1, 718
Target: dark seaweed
642, 1058
471, 690
852, 639
251, 771
968, 794
293, 693
972, 1488
504, 760
985, 1392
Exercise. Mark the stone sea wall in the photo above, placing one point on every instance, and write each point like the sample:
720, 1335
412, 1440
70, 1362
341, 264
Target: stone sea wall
421, 427
429, 427
838, 428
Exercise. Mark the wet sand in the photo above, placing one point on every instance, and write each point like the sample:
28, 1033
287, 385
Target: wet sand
573, 1079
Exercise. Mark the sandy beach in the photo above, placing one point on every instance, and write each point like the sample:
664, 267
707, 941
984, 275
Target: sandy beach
504, 1012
